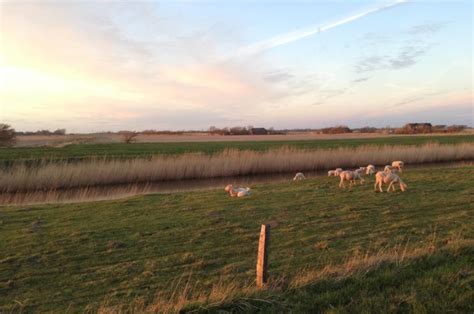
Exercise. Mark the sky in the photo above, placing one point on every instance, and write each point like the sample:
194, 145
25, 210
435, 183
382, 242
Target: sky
91, 66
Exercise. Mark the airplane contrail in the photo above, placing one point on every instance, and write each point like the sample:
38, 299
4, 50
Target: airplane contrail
302, 33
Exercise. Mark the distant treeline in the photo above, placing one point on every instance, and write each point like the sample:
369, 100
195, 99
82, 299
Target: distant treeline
42, 132
242, 130
409, 128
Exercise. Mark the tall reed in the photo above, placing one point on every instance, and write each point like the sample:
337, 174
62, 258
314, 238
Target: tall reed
47, 176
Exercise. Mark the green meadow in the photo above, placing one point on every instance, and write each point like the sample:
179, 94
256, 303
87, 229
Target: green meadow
120, 150
141, 252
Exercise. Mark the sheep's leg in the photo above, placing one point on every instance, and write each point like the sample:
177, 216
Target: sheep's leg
389, 186
341, 185
375, 186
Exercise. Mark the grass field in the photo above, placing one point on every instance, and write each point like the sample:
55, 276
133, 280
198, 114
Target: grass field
119, 150
414, 250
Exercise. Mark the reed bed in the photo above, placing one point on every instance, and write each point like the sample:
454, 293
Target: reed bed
50, 175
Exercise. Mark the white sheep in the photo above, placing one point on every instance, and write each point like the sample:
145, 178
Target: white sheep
383, 177
336, 172
390, 169
350, 176
239, 192
360, 171
398, 164
370, 169
299, 176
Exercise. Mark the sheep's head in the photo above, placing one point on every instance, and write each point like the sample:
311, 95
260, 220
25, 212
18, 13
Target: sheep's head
228, 188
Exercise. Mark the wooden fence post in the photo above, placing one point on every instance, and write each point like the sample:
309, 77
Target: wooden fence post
262, 259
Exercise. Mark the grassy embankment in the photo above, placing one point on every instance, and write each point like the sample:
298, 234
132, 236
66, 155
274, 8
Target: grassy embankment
84, 151
138, 251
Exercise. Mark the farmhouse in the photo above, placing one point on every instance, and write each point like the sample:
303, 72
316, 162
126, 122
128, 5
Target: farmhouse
419, 127
259, 131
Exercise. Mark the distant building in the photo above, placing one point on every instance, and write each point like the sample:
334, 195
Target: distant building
259, 131
419, 127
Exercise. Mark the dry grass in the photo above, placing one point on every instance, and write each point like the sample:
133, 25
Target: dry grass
186, 294
48, 176
74, 195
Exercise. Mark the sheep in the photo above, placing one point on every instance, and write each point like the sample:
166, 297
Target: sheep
336, 172
388, 178
398, 164
370, 169
299, 176
360, 171
390, 169
239, 192
350, 176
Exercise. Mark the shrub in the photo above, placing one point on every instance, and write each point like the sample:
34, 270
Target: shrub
7, 135
128, 136
368, 129
337, 129
455, 128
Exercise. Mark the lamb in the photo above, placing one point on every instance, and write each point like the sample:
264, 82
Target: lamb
350, 176
336, 172
398, 164
370, 169
299, 176
239, 192
361, 170
390, 169
388, 178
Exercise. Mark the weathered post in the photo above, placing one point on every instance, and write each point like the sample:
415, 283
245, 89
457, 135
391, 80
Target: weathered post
262, 259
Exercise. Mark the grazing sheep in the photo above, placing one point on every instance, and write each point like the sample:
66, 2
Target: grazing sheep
398, 164
390, 169
350, 176
336, 172
383, 177
239, 192
299, 176
370, 169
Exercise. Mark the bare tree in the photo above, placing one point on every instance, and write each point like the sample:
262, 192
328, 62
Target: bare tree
129, 136
7, 135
